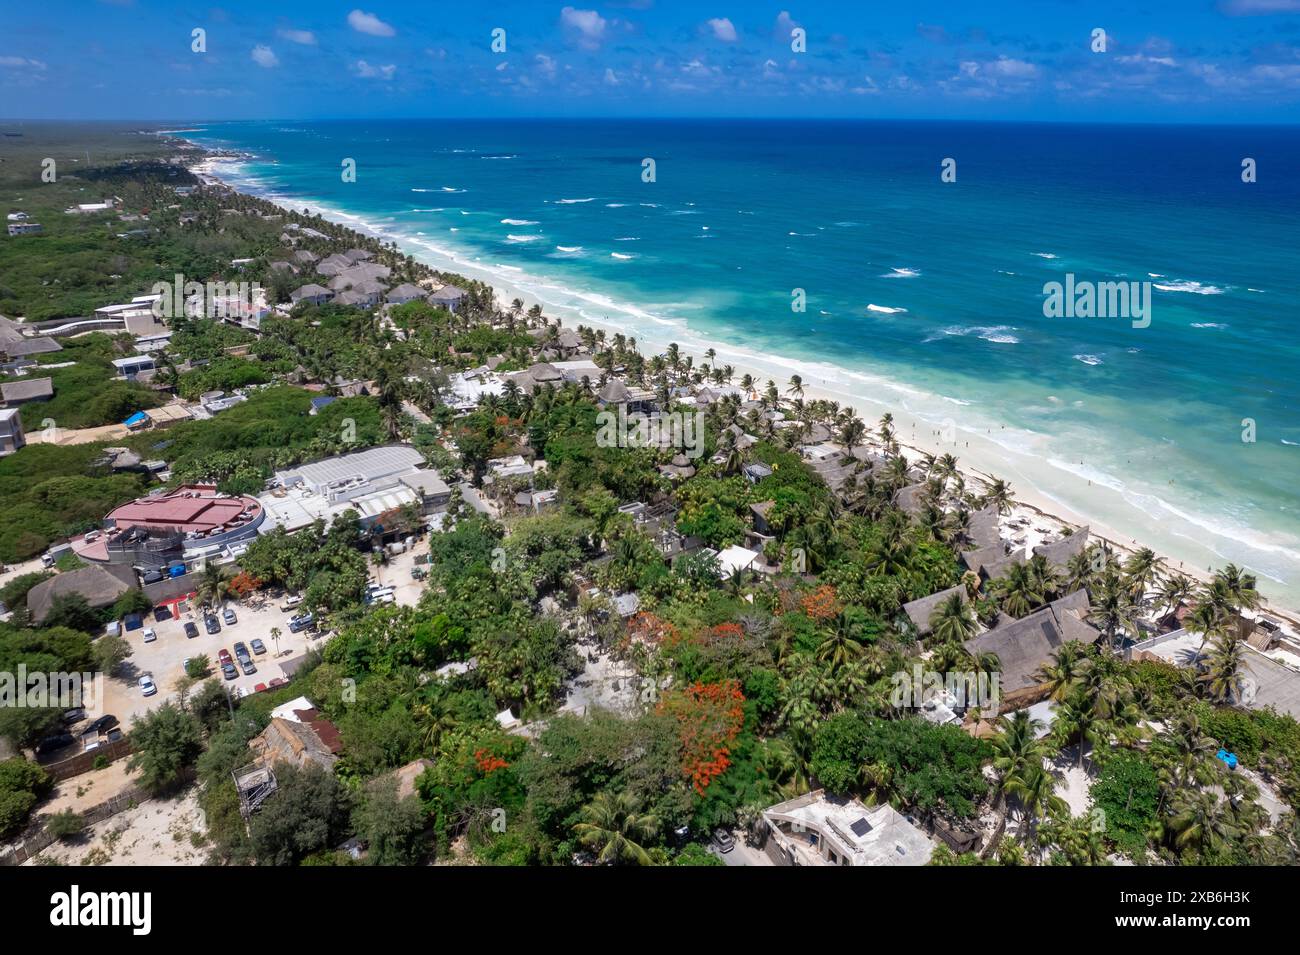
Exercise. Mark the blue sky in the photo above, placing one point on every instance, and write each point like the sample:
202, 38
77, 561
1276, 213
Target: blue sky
1165, 61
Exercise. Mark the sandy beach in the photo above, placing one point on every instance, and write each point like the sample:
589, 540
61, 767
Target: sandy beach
1045, 497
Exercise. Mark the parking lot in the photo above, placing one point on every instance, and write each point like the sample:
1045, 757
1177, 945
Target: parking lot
164, 657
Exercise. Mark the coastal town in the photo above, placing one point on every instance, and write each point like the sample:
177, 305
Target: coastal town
354, 542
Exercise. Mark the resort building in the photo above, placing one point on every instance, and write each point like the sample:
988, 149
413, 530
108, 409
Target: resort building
13, 393
315, 294
374, 483
11, 431
449, 297
1024, 645
920, 611
186, 526
100, 586
25, 228
820, 829
132, 367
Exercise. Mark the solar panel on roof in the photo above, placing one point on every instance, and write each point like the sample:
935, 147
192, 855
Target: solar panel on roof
861, 827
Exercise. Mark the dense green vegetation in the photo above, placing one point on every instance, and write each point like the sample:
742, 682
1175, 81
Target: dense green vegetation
716, 698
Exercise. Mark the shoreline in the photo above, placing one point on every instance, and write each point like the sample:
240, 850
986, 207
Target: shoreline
978, 453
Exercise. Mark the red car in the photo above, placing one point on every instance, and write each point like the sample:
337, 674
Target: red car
278, 681
224, 656
259, 688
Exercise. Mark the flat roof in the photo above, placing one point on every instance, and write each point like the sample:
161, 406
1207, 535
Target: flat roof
368, 465
187, 509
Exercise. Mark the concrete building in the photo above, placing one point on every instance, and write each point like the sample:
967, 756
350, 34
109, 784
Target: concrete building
189, 525
11, 431
374, 483
819, 829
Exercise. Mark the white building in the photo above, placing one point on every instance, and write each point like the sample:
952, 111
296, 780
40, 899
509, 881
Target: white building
373, 482
820, 829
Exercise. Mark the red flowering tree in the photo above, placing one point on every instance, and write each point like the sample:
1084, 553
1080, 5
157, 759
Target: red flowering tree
243, 584
822, 604
709, 718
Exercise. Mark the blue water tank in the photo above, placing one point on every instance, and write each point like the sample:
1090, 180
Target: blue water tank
176, 570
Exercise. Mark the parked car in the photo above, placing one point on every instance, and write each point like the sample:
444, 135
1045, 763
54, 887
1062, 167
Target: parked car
257, 646
228, 671
52, 743
723, 840
291, 602
147, 685
229, 617
150, 635
162, 612
241, 653
191, 630
301, 622
151, 577
211, 623
223, 656
248, 667
101, 725
278, 681
114, 735
74, 716
260, 688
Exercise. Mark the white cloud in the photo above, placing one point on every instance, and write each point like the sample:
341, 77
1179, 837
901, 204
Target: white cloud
19, 62
784, 24
545, 65
611, 78
264, 56
303, 37
1012, 69
587, 25
364, 22
723, 29
384, 72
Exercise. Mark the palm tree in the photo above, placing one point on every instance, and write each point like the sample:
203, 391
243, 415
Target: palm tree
999, 494
1077, 718
615, 827
1221, 671
1018, 591
839, 649
1063, 673
211, 586
1140, 569
1239, 588
1035, 787
1173, 591
1046, 580
953, 620
1078, 572
796, 386
1200, 820
1112, 609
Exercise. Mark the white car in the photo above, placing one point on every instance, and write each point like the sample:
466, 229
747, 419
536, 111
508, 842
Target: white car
149, 635
147, 685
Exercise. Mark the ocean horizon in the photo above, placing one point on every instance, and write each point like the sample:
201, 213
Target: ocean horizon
923, 297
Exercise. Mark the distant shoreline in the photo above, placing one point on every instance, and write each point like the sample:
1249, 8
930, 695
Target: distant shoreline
911, 433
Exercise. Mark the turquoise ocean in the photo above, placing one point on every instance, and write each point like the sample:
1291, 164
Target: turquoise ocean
923, 297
